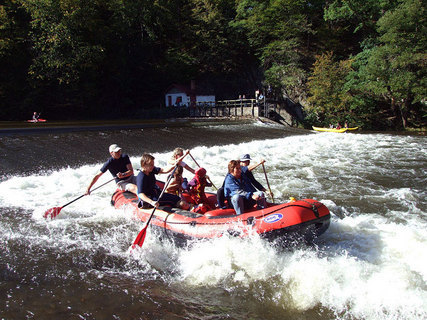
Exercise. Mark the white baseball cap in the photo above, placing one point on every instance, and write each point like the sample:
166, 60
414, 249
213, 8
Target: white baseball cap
114, 148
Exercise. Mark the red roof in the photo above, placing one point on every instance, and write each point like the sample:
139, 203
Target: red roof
200, 91
181, 88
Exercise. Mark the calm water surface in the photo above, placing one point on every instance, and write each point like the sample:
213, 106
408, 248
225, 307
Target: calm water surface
370, 264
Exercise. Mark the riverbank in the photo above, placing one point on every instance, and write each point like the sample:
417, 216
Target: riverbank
12, 128
24, 128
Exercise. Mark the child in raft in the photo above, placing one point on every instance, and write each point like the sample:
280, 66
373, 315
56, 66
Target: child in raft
197, 187
176, 185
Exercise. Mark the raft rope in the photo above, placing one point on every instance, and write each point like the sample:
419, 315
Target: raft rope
249, 220
193, 223
313, 207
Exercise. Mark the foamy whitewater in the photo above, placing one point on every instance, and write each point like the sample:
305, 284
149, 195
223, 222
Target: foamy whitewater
370, 264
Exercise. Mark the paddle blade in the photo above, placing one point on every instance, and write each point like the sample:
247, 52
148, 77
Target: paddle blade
139, 240
52, 212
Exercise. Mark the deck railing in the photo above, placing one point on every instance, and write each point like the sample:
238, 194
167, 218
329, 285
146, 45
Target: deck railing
228, 108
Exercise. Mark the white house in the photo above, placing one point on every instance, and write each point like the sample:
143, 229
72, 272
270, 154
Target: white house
177, 95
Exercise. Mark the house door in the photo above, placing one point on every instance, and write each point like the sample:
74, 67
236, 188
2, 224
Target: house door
169, 101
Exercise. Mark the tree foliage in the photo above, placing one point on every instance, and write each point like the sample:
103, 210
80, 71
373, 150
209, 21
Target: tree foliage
328, 101
279, 30
389, 70
96, 59
393, 70
15, 56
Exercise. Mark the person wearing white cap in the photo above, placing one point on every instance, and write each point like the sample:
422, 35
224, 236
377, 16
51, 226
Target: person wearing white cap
120, 167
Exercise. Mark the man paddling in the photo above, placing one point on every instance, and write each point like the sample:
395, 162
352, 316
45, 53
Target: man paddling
36, 116
149, 192
120, 167
245, 161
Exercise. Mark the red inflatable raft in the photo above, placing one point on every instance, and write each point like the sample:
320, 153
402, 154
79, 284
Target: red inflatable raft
297, 220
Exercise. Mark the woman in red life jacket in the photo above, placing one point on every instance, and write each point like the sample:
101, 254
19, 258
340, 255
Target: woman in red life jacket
197, 187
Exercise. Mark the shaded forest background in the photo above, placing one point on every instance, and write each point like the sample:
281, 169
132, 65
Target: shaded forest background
361, 61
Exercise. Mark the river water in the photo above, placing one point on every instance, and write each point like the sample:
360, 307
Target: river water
370, 264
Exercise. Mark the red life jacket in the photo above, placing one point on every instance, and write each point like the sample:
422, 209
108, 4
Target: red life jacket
200, 208
198, 185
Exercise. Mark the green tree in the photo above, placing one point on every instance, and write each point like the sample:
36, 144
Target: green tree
62, 44
327, 100
15, 58
359, 15
279, 31
96, 55
220, 47
393, 70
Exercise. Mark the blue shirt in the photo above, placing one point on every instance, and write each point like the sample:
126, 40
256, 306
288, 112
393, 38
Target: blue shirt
146, 184
116, 165
241, 186
249, 174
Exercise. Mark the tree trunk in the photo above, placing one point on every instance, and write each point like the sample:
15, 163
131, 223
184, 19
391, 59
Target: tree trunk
402, 116
399, 121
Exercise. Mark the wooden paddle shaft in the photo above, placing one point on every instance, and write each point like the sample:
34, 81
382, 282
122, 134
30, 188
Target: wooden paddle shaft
199, 167
268, 184
139, 240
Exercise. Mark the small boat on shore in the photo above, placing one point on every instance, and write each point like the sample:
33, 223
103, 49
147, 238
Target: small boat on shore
341, 130
38, 120
302, 220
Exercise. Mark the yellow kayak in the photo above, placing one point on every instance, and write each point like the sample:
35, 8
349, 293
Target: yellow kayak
330, 129
333, 129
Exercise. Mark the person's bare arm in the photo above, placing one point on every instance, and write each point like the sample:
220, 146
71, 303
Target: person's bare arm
95, 178
145, 198
127, 173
